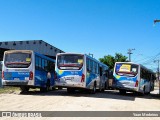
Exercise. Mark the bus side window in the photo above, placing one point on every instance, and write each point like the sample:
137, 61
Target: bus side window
100, 71
91, 66
45, 65
40, 63
36, 62
87, 61
142, 73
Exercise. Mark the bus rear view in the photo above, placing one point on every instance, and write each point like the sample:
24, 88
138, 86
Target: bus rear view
69, 70
126, 76
16, 68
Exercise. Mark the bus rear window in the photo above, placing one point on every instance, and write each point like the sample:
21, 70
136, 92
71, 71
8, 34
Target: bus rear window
70, 62
126, 69
17, 60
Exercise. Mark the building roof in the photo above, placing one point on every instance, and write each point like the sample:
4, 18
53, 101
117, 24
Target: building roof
38, 46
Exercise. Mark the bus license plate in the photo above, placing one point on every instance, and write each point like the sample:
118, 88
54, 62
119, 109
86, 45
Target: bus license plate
16, 78
69, 78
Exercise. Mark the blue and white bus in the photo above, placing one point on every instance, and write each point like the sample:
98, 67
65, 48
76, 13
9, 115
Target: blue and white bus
133, 77
1, 73
80, 71
27, 69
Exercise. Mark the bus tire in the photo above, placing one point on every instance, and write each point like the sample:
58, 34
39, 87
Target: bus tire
144, 90
93, 90
106, 86
47, 88
122, 92
24, 89
48, 85
70, 90
102, 88
42, 89
59, 88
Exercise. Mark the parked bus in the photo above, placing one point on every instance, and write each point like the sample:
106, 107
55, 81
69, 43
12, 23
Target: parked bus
1, 73
27, 69
133, 77
80, 71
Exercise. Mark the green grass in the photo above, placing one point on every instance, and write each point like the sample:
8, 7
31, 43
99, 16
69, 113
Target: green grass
7, 89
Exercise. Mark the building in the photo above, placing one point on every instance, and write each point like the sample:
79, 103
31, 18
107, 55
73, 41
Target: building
39, 46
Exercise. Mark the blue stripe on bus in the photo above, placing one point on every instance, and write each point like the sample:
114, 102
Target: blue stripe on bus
121, 78
90, 77
16, 75
62, 73
41, 78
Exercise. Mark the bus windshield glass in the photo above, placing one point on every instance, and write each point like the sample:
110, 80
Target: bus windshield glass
70, 62
17, 60
125, 69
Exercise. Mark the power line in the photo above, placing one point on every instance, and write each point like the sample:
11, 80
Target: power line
151, 60
155, 21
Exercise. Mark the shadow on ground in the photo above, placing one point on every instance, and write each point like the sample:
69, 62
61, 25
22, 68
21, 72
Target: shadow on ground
108, 94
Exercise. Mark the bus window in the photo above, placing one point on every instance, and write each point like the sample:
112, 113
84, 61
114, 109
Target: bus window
17, 60
123, 69
100, 71
70, 62
37, 62
91, 65
43, 64
87, 62
40, 63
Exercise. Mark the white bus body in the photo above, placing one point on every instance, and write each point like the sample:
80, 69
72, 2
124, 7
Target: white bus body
27, 69
129, 76
75, 71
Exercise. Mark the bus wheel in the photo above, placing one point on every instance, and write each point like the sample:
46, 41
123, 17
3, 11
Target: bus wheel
102, 88
149, 90
70, 90
93, 90
122, 92
59, 88
106, 86
144, 91
42, 89
47, 88
24, 89
48, 85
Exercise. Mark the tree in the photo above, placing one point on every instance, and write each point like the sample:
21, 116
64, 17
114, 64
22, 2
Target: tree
110, 60
120, 58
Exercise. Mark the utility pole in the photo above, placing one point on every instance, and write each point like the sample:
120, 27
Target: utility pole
155, 21
129, 53
158, 73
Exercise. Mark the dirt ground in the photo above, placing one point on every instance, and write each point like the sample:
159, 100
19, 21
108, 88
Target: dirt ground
60, 100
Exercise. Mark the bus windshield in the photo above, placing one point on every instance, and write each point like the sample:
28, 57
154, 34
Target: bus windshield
125, 69
70, 61
17, 60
